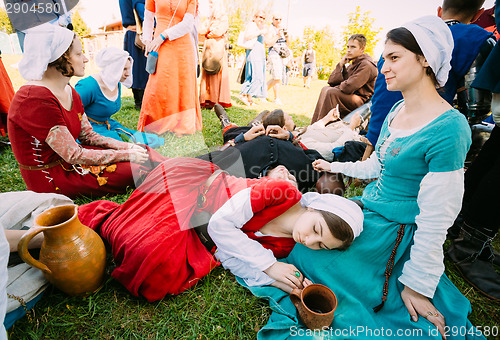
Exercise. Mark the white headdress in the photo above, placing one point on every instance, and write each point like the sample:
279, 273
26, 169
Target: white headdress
344, 208
436, 42
111, 61
42, 45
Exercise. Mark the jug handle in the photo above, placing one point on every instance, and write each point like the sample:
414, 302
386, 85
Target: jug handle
295, 296
22, 249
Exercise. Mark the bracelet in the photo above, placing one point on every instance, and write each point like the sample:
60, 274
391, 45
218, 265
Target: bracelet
163, 37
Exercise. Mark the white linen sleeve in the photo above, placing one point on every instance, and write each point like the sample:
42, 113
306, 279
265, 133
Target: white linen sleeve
243, 256
439, 200
367, 169
187, 25
147, 26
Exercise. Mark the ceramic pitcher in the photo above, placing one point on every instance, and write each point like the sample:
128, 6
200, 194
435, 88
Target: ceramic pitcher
72, 256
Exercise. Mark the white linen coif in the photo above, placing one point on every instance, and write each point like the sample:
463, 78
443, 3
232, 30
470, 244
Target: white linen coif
111, 61
43, 44
346, 209
436, 42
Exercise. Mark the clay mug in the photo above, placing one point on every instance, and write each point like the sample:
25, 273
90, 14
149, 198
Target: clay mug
72, 256
315, 305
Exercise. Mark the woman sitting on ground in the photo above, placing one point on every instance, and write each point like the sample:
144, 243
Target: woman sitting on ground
101, 97
418, 162
253, 222
47, 116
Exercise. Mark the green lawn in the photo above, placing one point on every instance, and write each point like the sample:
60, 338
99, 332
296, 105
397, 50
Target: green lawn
218, 307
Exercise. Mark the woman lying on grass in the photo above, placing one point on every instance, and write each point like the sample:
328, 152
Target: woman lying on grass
254, 221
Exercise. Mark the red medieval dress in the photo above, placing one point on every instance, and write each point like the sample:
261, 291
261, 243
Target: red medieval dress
6, 94
156, 251
43, 136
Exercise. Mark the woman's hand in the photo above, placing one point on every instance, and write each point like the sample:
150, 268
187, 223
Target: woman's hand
418, 304
286, 276
332, 115
277, 131
155, 44
255, 131
321, 165
138, 154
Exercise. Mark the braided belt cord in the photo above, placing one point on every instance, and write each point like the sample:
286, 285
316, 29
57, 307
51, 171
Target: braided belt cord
389, 267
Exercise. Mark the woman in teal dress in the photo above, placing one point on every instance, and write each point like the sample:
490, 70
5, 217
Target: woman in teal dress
101, 97
255, 72
390, 283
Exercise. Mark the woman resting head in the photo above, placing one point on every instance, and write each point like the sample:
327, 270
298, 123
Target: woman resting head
317, 221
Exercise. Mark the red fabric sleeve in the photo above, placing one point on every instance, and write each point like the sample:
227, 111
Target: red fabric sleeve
270, 198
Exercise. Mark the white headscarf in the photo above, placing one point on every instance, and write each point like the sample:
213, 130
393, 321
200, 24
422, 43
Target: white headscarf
436, 42
111, 61
346, 209
42, 45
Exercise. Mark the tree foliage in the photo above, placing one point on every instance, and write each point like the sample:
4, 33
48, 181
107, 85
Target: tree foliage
361, 22
79, 26
5, 25
327, 54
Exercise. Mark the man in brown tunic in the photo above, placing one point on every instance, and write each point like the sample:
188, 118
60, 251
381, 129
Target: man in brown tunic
351, 83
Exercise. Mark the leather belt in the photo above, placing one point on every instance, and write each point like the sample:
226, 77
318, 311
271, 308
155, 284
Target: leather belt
97, 122
40, 167
132, 28
200, 220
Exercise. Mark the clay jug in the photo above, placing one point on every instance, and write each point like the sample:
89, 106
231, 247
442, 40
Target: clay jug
72, 256
315, 304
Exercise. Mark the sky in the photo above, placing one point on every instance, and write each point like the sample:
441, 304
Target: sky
300, 13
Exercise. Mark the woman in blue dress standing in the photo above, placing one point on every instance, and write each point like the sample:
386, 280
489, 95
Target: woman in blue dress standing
101, 97
391, 282
255, 73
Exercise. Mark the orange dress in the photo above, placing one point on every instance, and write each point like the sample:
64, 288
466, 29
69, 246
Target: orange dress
171, 100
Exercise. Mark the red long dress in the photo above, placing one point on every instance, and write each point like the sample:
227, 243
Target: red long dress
6, 94
155, 250
33, 113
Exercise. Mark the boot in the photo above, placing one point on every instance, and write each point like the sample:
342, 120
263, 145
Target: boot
454, 233
473, 254
222, 115
138, 94
258, 119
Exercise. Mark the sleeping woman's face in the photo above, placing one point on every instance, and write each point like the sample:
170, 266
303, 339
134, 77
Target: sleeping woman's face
311, 230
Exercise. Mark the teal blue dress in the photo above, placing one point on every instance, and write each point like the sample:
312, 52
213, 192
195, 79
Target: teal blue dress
100, 109
356, 275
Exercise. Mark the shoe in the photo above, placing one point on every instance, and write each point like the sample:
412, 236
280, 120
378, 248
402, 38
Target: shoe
222, 115
277, 101
245, 100
473, 254
258, 119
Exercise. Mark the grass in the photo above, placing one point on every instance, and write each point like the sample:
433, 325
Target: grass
217, 307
